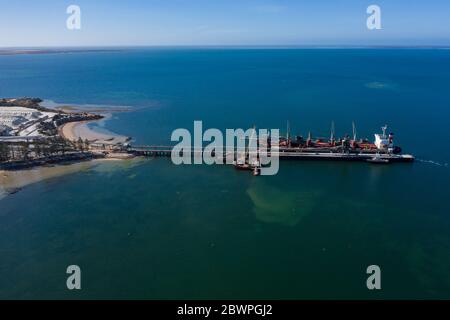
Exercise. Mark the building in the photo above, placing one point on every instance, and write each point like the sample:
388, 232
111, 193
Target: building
12, 121
4, 130
19, 112
19, 118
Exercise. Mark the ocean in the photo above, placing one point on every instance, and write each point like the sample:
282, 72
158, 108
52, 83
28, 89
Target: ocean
147, 229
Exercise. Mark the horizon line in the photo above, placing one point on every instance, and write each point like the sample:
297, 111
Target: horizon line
333, 46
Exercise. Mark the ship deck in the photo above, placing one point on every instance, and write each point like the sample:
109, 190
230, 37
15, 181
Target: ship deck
284, 154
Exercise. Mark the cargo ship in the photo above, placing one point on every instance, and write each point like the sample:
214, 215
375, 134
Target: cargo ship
381, 151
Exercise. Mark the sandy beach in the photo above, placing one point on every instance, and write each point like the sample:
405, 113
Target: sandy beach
11, 180
75, 130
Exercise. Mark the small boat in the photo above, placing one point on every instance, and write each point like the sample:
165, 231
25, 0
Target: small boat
242, 166
241, 163
255, 166
378, 160
256, 171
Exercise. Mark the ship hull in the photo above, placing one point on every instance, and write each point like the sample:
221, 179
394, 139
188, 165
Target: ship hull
343, 156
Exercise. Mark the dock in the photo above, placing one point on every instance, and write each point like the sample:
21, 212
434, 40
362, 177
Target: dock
283, 153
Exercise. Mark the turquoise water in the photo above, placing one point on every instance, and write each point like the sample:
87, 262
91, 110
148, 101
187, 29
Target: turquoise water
149, 229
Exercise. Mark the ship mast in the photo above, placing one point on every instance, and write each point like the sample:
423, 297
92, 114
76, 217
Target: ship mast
308, 141
384, 131
288, 134
332, 132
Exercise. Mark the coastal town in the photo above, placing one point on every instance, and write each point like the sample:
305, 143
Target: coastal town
33, 135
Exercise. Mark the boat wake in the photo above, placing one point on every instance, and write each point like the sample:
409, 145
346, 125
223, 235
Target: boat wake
433, 162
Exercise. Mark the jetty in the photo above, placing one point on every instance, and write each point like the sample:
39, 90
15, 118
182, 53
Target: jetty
381, 151
283, 153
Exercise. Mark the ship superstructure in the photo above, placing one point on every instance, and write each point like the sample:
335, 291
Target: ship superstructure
383, 143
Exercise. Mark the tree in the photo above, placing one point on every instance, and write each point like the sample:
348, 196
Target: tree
52, 146
80, 144
25, 149
4, 151
86, 144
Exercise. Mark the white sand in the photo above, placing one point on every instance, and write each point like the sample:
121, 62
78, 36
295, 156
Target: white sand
12, 180
20, 178
75, 130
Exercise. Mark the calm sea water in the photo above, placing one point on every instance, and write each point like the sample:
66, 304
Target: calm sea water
149, 229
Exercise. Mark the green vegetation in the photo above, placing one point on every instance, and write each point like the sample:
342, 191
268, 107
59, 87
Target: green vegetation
38, 149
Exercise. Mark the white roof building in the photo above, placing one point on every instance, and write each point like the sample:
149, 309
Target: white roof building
12, 121
15, 116
23, 121
19, 112
4, 130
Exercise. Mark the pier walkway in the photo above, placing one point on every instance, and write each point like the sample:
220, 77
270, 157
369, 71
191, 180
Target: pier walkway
283, 153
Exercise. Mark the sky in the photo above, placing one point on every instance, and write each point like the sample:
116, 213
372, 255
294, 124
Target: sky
42, 23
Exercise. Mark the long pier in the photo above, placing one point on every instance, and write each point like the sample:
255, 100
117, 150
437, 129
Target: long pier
283, 153
151, 151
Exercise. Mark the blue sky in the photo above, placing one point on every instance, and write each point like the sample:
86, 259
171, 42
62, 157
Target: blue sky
224, 22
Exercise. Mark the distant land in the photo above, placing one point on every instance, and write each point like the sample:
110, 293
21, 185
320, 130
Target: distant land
16, 51
67, 50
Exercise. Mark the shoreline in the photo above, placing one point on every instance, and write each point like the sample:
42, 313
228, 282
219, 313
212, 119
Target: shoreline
73, 131
13, 181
